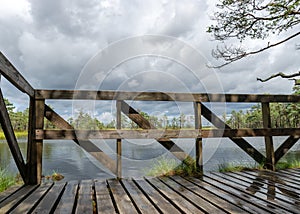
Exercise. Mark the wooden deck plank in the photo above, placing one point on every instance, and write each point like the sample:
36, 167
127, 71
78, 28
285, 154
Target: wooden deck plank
47, 204
85, 197
103, 198
176, 199
291, 177
16, 198
285, 180
227, 196
122, 200
214, 193
143, 204
156, 198
9, 191
240, 193
220, 203
287, 192
67, 200
258, 199
33, 199
270, 192
292, 172
195, 199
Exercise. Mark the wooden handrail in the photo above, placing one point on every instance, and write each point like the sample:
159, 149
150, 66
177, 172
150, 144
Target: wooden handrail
162, 134
162, 96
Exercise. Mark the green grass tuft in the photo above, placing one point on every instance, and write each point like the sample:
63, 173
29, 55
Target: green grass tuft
288, 165
169, 167
232, 167
6, 180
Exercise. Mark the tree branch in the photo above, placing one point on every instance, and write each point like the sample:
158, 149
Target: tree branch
282, 75
231, 58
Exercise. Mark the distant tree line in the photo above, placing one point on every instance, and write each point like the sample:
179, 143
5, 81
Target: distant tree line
86, 121
283, 115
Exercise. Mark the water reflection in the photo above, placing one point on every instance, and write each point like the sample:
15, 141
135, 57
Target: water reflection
70, 160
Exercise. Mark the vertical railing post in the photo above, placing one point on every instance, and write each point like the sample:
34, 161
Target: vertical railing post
198, 145
35, 147
119, 141
270, 154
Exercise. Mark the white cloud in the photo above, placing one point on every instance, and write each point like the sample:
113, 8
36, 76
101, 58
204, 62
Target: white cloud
106, 117
51, 41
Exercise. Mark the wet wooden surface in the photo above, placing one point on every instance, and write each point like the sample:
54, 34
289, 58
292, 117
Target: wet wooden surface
235, 192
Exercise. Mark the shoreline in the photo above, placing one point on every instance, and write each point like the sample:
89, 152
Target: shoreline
18, 134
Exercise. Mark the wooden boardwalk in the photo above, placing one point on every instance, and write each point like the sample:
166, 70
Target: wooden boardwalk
239, 192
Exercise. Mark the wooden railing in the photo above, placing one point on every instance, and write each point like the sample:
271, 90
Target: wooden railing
31, 172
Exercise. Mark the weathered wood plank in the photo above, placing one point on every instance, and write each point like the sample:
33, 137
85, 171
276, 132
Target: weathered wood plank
198, 143
66, 203
103, 198
214, 197
10, 137
267, 191
161, 96
228, 195
85, 203
161, 203
286, 179
32, 200
119, 141
13, 76
242, 143
70, 134
48, 203
259, 183
258, 198
204, 204
176, 199
8, 192
270, 155
9, 203
123, 202
143, 204
86, 144
31, 169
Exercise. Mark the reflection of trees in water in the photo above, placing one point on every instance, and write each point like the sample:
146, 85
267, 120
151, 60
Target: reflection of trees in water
5, 156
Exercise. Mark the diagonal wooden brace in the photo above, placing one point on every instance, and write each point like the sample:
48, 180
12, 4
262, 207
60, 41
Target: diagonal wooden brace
87, 145
145, 124
241, 142
11, 138
285, 146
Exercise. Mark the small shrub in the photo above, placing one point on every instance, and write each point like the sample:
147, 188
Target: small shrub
169, 167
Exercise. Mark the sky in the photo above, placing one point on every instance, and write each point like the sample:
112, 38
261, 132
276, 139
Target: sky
129, 45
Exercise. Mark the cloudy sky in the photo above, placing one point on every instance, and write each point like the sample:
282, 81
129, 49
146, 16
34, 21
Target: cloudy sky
129, 45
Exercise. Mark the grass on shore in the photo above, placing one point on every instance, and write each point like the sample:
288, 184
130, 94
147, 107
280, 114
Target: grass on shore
7, 180
169, 167
19, 134
231, 167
